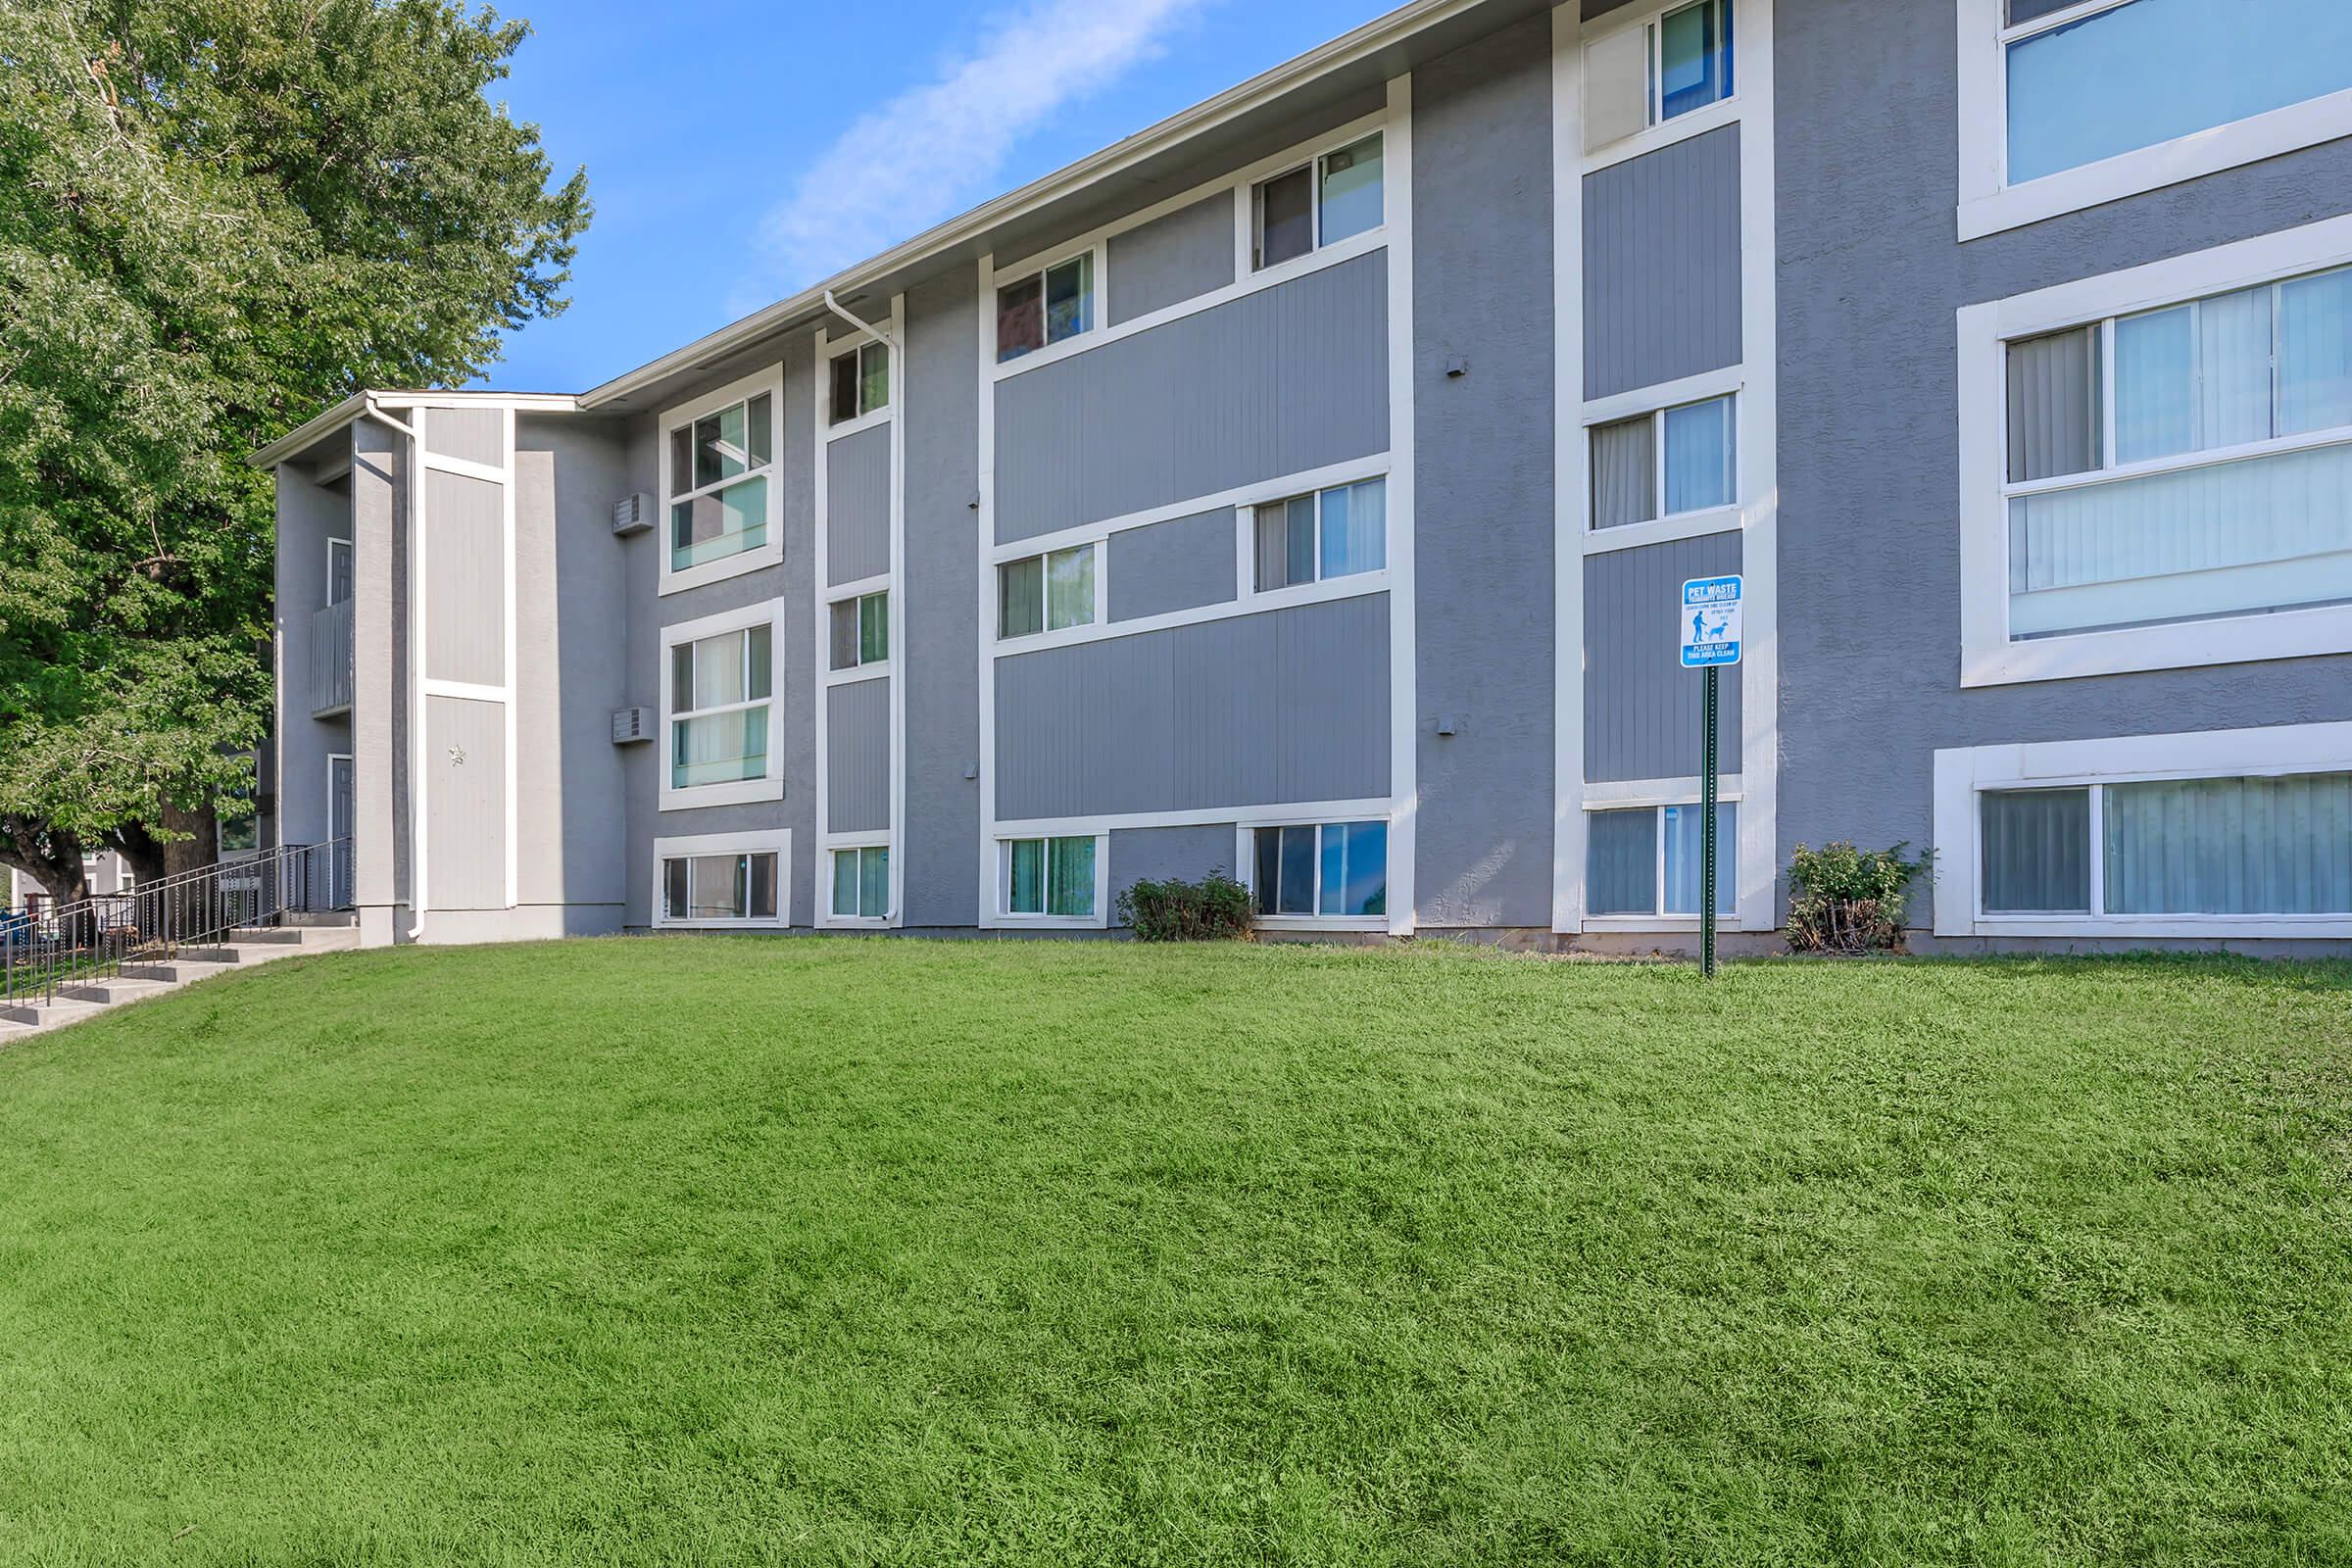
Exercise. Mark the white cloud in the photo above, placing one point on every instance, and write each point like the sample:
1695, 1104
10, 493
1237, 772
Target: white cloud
939, 148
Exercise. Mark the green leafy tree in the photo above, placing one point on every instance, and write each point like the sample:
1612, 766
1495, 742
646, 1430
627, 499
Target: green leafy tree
215, 217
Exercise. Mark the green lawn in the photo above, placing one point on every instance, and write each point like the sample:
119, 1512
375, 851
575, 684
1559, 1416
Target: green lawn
842, 1252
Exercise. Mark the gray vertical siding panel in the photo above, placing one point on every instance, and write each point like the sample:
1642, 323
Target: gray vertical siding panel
1178, 564
1292, 704
476, 435
1663, 264
858, 757
1171, 259
858, 506
1641, 708
466, 822
1159, 853
1286, 379
465, 571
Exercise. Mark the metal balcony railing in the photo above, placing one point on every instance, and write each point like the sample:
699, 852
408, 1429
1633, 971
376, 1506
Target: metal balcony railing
52, 947
330, 659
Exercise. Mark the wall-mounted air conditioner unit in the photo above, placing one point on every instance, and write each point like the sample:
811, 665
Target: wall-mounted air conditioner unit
632, 724
633, 514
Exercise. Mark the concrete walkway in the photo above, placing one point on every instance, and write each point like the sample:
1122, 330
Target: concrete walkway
138, 981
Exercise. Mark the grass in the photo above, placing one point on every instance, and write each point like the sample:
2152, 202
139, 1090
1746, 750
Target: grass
836, 1252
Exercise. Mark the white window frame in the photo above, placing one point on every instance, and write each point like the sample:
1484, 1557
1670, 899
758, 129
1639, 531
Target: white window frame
1045, 635
1245, 852
1987, 657
1096, 921
1697, 520
1312, 161
735, 792
1989, 204
849, 425
869, 588
1659, 132
1095, 253
1654, 796
765, 841
1964, 773
772, 382
1317, 586
854, 844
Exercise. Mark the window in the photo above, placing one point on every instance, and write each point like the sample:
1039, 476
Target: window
860, 381
1044, 308
2218, 483
1652, 861
1684, 456
338, 571
236, 816
1050, 877
1326, 868
709, 888
719, 697
720, 466
2139, 73
1317, 204
1046, 593
861, 882
860, 631
1638, 76
1332, 533
2275, 846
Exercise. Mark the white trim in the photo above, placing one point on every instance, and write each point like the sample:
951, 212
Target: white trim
985, 622
772, 382
1374, 808
1404, 729
764, 841
1988, 203
1701, 388
464, 690
896, 607
858, 426
472, 469
1665, 530
1987, 657
1002, 894
1570, 461
1622, 794
1757, 863
767, 612
510, 665
1964, 773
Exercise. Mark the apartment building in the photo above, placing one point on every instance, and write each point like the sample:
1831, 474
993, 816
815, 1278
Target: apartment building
1302, 489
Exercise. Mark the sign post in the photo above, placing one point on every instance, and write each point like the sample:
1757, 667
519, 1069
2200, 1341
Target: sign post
1710, 626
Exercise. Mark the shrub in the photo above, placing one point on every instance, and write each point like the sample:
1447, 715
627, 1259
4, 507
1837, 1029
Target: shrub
1215, 908
1844, 900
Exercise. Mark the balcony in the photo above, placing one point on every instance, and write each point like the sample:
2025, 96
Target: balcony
331, 661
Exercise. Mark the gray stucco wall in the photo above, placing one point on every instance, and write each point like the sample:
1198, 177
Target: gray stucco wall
1171, 259
858, 506
477, 436
938, 636
465, 577
465, 762
1483, 549
1868, 536
308, 516
1642, 710
1663, 264
1157, 853
857, 756
1182, 564
1288, 704
1275, 382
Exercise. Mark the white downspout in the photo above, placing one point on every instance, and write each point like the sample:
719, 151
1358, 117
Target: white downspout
413, 474
868, 328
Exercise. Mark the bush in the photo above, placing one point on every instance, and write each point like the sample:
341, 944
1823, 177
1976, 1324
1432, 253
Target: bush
1844, 900
1214, 908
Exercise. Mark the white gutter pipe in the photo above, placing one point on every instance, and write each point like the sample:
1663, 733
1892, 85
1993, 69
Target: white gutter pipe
413, 474
868, 328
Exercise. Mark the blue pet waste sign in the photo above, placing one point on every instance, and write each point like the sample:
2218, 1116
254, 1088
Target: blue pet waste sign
1710, 622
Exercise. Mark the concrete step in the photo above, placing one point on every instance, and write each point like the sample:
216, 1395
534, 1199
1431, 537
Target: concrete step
211, 954
112, 991
178, 970
265, 933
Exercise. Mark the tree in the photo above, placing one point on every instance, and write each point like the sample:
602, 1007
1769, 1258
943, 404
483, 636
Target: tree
216, 216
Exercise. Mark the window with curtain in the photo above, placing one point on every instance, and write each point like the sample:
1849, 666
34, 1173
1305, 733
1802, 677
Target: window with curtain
860, 381
1333, 197
860, 631
1651, 860
1052, 592
1323, 869
719, 887
1664, 463
2264, 846
1046, 307
861, 882
2218, 483
721, 691
1338, 532
2141, 72
1049, 876
721, 471
1674, 62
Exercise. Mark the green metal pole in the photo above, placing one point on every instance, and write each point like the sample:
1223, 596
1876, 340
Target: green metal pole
1707, 831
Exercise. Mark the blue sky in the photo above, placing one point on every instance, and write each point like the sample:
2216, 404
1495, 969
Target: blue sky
739, 151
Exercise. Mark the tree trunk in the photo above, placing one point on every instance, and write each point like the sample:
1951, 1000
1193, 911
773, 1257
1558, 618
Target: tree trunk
139, 849
199, 849
50, 858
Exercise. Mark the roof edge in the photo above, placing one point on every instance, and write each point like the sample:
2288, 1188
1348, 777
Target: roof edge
318, 426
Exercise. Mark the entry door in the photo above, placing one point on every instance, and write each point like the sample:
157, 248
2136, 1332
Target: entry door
338, 570
338, 831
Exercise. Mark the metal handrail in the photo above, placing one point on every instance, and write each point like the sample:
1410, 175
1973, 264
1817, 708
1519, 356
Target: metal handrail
79, 944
